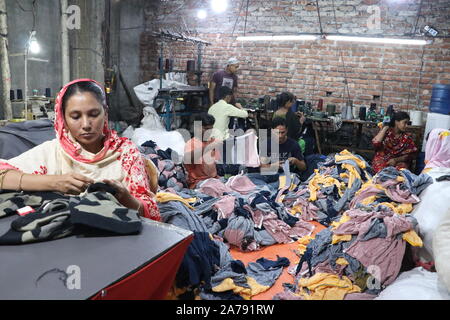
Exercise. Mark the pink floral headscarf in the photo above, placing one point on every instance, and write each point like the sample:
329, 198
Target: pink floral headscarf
72, 148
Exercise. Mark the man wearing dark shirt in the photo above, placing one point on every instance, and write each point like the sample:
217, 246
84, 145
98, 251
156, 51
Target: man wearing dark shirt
226, 78
288, 150
279, 149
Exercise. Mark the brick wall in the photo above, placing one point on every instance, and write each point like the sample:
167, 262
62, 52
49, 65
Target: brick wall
401, 75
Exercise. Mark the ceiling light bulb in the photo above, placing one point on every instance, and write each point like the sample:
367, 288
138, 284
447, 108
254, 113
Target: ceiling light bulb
201, 14
34, 46
219, 6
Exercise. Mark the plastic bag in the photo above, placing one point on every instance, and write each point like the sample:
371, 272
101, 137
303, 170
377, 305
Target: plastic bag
416, 284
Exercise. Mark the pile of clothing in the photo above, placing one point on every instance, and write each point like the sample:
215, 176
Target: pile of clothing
327, 193
228, 213
355, 257
362, 250
171, 172
55, 216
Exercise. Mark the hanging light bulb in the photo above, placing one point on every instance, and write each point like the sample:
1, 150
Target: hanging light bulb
33, 44
201, 14
219, 6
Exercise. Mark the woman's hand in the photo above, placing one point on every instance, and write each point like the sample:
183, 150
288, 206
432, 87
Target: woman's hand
392, 162
71, 183
123, 195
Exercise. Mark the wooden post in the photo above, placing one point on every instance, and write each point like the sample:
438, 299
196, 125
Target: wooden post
4, 63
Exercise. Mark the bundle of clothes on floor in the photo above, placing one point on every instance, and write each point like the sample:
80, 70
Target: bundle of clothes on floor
358, 254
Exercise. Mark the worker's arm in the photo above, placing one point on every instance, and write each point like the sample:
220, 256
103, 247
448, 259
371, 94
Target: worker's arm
405, 158
72, 183
380, 136
233, 111
300, 164
212, 88
194, 153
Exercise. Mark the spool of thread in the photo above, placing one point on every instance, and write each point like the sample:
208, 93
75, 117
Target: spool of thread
160, 64
12, 95
416, 118
169, 64
355, 113
48, 92
190, 65
349, 113
19, 94
320, 105
362, 113
331, 109
344, 112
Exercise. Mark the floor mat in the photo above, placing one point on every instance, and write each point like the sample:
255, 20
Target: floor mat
271, 252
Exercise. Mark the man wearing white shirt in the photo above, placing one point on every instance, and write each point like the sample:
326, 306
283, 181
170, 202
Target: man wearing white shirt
222, 111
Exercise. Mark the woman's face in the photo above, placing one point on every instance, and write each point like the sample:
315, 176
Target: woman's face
85, 118
402, 125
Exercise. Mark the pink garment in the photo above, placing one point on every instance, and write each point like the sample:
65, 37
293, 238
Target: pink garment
278, 229
381, 255
245, 150
402, 196
359, 222
225, 207
286, 295
325, 267
308, 209
368, 192
301, 229
384, 255
257, 216
437, 150
241, 184
213, 187
359, 296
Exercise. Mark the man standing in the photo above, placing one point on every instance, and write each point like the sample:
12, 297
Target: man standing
222, 78
223, 110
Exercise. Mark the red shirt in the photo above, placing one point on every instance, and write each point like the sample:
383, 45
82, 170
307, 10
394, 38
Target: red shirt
205, 167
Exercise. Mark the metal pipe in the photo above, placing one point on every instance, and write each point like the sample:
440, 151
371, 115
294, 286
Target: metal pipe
65, 59
4, 63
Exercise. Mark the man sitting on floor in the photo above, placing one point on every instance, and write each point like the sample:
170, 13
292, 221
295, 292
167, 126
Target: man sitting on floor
272, 160
200, 153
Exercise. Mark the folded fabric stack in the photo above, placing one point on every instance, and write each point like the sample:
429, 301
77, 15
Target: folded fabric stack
57, 216
361, 251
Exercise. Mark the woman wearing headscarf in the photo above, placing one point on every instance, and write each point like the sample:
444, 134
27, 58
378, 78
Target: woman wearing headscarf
394, 147
437, 150
85, 151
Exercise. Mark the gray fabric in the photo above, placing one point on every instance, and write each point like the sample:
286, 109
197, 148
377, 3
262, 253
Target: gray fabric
262, 276
348, 195
16, 138
319, 245
265, 239
225, 272
377, 229
225, 256
176, 213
